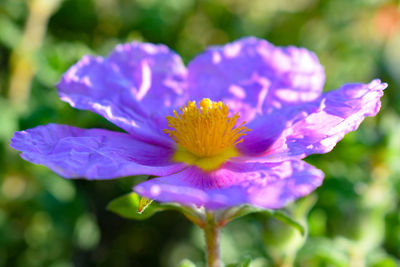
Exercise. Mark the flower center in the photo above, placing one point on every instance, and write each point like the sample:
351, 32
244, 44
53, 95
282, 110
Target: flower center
205, 135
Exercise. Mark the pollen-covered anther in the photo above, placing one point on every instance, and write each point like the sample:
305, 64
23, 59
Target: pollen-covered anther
205, 130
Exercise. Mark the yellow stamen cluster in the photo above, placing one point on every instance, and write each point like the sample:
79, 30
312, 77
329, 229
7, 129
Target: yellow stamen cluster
205, 131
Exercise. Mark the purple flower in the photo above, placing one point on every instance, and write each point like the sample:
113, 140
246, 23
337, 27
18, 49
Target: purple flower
232, 128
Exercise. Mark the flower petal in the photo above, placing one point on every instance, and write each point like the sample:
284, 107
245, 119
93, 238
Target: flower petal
128, 87
93, 154
316, 127
266, 185
252, 76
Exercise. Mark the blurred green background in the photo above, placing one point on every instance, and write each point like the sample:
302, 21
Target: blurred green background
352, 220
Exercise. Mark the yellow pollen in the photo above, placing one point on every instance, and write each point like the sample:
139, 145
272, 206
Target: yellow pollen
205, 132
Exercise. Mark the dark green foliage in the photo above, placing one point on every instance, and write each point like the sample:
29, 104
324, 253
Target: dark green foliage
354, 218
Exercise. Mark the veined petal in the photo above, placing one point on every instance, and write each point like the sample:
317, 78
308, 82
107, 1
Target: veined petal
316, 127
266, 185
129, 87
93, 154
254, 77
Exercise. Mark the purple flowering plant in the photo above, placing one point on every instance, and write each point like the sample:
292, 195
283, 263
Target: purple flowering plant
225, 133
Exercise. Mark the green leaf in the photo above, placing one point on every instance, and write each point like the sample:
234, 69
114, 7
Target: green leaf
244, 262
286, 218
277, 214
187, 263
128, 206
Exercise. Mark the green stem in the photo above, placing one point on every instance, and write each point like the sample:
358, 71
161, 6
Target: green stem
211, 230
22, 62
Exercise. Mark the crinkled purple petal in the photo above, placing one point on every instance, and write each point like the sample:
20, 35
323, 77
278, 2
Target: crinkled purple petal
266, 185
132, 85
314, 127
93, 154
265, 130
254, 77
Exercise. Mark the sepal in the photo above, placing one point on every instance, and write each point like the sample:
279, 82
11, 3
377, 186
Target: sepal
132, 206
281, 215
